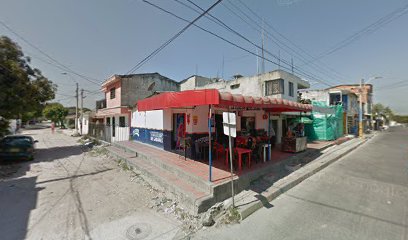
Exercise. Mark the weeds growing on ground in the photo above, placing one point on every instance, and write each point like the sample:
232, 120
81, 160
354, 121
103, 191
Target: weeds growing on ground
231, 216
123, 164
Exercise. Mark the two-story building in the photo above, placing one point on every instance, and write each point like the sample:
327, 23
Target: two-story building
121, 94
277, 84
367, 99
347, 98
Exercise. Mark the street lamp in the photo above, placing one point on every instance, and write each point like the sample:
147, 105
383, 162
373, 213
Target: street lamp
360, 117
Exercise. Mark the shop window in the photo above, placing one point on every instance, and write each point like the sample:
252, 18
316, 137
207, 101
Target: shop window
122, 122
291, 89
247, 125
273, 87
112, 93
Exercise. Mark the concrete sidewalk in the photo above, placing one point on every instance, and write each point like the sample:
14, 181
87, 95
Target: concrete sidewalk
271, 186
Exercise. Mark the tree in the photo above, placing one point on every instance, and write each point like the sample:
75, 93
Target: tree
380, 110
23, 88
388, 113
401, 118
56, 113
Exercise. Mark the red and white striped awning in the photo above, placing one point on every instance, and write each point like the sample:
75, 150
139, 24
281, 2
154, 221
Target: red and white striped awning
192, 98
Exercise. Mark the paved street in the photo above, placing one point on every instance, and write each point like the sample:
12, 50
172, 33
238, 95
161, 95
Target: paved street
362, 196
68, 194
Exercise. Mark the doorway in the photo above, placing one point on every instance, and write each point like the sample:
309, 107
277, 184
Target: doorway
113, 126
273, 131
179, 129
219, 130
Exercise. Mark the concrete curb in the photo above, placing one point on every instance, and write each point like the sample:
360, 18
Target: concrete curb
251, 201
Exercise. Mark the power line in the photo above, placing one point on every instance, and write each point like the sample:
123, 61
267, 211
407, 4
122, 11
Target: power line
230, 42
399, 12
303, 73
271, 37
329, 69
57, 63
235, 32
65, 95
260, 31
165, 44
398, 84
63, 99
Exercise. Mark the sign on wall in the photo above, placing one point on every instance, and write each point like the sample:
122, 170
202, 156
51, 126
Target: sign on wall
150, 136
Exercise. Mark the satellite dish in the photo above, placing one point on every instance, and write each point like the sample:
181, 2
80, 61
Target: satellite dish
150, 88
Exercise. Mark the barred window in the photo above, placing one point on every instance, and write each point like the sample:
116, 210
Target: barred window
112, 93
273, 87
122, 122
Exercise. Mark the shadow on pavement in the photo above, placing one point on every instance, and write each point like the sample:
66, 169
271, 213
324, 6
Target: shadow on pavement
17, 197
55, 153
281, 169
18, 168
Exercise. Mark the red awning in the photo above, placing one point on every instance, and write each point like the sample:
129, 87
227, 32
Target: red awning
192, 98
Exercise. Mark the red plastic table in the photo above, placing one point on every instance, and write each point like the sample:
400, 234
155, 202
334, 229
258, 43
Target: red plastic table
240, 152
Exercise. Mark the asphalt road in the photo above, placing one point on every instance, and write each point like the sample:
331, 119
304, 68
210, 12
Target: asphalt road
66, 193
362, 196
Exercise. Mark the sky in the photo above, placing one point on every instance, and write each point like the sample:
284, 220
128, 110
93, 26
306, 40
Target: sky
100, 38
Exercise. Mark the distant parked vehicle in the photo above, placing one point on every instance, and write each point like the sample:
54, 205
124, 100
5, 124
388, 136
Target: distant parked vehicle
32, 122
17, 147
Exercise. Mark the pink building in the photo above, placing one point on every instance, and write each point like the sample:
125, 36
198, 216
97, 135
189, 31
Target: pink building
121, 94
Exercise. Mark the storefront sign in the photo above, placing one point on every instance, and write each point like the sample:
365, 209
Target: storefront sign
156, 137
150, 136
230, 124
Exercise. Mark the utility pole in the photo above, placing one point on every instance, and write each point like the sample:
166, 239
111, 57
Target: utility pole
360, 117
82, 110
76, 110
291, 63
257, 61
263, 56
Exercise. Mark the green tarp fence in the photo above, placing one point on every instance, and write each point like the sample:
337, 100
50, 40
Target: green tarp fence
327, 122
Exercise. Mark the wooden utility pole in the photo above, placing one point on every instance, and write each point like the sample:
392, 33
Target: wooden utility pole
82, 110
76, 110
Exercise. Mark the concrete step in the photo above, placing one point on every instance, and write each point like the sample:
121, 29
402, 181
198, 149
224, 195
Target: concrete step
170, 167
187, 193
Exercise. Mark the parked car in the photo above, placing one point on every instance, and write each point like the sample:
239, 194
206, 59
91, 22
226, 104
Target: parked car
17, 147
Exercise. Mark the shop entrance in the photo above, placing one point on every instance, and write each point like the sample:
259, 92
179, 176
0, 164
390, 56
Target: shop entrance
273, 131
219, 129
179, 129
